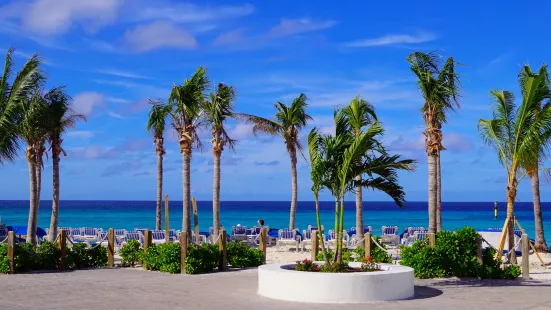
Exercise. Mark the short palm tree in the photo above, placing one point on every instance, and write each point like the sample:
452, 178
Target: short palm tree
156, 124
360, 114
60, 117
186, 103
11, 97
219, 108
289, 120
518, 135
32, 129
440, 90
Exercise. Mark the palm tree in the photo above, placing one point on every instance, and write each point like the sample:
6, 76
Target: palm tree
11, 97
359, 114
59, 118
186, 110
338, 160
156, 124
544, 95
518, 134
440, 90
218, 108
289, 120
32, 128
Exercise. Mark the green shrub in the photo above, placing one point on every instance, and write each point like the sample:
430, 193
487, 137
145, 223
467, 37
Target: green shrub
346, 256
454, 255
163, 257
242, 256
98, 256
79, 256
306, 265
202, 258
334, 267
151, 258
377, 254
4, 262
130, 253
25, 257
48, 256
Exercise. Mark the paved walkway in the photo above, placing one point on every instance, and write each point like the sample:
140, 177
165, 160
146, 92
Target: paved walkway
137, 289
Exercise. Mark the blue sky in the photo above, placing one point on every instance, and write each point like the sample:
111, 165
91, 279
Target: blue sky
114, 55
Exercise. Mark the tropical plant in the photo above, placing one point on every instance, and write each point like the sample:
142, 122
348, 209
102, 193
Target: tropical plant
341, 158
59, 117
440, 89
186, 110
518, 134
360, 114
12, 96
289, 120
218, 108
156, 124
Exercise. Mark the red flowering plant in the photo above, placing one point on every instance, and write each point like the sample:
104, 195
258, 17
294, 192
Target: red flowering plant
306, 265
368, 264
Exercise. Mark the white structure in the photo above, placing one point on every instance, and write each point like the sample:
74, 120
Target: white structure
280, 281
493, 237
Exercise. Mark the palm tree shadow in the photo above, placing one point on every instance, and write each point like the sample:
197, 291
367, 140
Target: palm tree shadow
489, 283
424, 292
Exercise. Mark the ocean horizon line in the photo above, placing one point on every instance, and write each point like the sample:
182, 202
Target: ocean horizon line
229, 200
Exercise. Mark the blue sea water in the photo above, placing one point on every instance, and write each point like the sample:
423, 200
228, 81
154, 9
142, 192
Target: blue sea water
141, 214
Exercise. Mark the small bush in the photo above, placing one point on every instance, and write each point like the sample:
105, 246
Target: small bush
131, 253
151, 258
48, 256
4, 262
202, 258
98, 256
306, 265
334, 267
242, 256
79, 256
369, 265
163, 257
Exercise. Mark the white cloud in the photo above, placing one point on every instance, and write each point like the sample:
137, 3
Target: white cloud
393, 39
187, 12
115, 115
241, 132
118, 100
85, 103
456, 142
121, 73
158, 35
81, 134
289, 27
229, 38
53, 17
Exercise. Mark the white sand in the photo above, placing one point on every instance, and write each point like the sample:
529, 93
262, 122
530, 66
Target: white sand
537, 270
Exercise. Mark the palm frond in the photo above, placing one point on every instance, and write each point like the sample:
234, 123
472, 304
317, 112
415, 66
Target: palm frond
260, 124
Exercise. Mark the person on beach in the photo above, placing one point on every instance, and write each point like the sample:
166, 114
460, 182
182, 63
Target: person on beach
260, 223
495, 209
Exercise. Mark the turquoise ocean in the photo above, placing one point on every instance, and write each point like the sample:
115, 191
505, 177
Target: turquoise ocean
141, 214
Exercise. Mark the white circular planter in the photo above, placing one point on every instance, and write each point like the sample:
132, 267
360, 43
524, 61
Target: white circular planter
280, 281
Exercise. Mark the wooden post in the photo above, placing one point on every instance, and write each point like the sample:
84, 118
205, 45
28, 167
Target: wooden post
525, 257
146, 243
222, 247
62, 248
262, 244
315, 245
367, 244
110, 248
432, 240
479, 249
183, 249
167, 224
196, 222
11, 251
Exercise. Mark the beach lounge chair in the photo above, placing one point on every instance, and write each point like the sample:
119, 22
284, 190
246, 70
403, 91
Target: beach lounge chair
132, 236
287, 237
420, 235
90, 233
408, 236
158, 236
253, 235
311, 227
389, 235
119, 233
202, 238
307, 237
3, 234
239, 233
140, 230
332, 238
352, 234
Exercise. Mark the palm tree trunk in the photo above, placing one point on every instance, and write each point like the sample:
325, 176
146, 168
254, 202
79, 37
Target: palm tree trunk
52, 235
320, 233
432, 193
38, 167
216, 193
186, 173
293, 156
158, 209
511, 196
438, 194
31, 229
541, 244
359, 214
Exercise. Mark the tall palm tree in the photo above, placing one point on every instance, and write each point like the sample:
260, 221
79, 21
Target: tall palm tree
59, 118
518, 134
31, 129
440, 90
186, 110
11, 97
156, 124
289, 120
359, 113
218, 108
338, 160
544, 95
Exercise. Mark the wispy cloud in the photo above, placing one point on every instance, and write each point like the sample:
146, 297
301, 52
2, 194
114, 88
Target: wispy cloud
121, 73
115, 115
394, 39
86, 102
158, 35
289, 27
186, 12
81, 134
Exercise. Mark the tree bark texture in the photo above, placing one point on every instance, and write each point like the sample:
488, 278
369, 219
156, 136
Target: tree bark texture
432, 159
438, 194
186, 183
31, 229
159, 204
293, 155
541, 245
359, 214
216, 193
511, 196
54, 219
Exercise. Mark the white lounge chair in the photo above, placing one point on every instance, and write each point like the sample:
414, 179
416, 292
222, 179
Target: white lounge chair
119, 233
352, 232
307, 236
90, 234
409, 237
238, 233
158, 236
202, 238
420, 235
287, 237
132, 236
389, 235
332, 239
